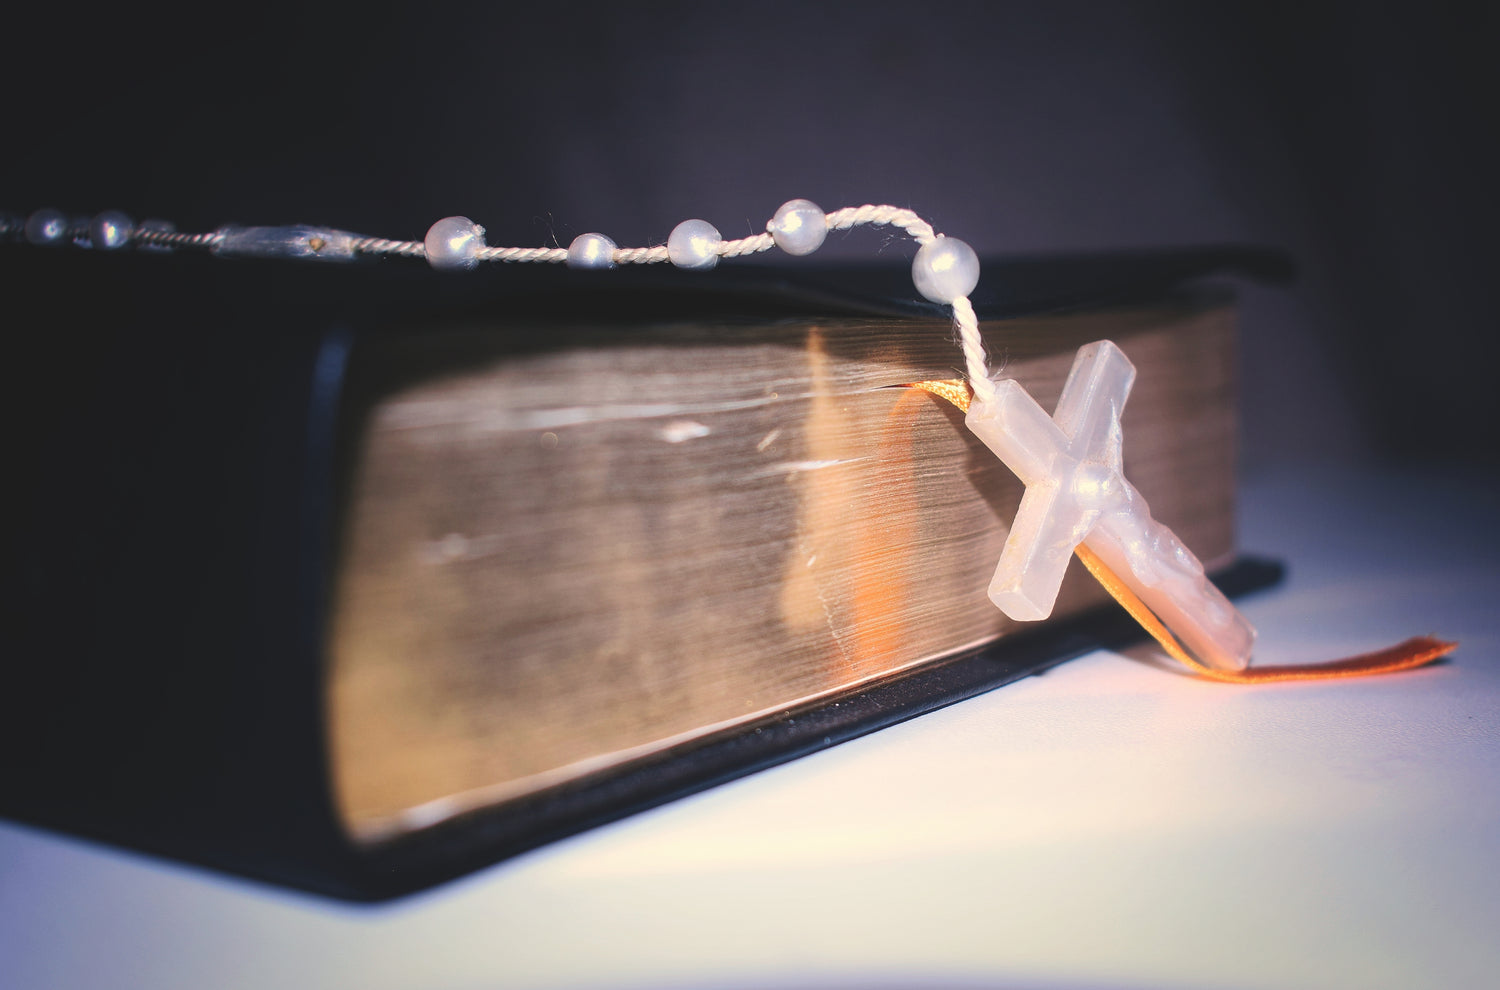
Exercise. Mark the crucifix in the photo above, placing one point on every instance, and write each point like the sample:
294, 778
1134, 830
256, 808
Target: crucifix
1076, 492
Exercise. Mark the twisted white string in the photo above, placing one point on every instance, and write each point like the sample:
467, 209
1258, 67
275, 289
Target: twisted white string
174, 239
380, 245
975, 362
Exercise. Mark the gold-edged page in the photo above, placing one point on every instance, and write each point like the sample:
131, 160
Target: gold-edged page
558, 558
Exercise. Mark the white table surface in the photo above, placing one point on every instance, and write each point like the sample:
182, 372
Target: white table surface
1106, 824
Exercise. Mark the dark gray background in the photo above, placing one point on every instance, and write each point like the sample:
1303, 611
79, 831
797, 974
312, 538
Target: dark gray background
1361, 137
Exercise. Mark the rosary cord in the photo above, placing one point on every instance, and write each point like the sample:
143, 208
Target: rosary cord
850, 216
380, 245
945, 269
174, 239
976, 363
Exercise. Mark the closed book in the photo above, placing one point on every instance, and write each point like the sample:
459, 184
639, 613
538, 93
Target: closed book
358, 579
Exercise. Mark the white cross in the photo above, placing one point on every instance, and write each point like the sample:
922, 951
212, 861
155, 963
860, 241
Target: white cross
1076, 492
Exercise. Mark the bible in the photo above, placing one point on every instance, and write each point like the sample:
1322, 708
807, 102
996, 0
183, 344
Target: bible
479, 571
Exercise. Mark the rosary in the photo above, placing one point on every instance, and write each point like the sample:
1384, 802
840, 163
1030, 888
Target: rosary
1077, 500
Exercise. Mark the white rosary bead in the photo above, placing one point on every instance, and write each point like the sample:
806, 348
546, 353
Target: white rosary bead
111, 230
591, 251
694, 244
945, 269
799, 227
452, 242
47, 227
